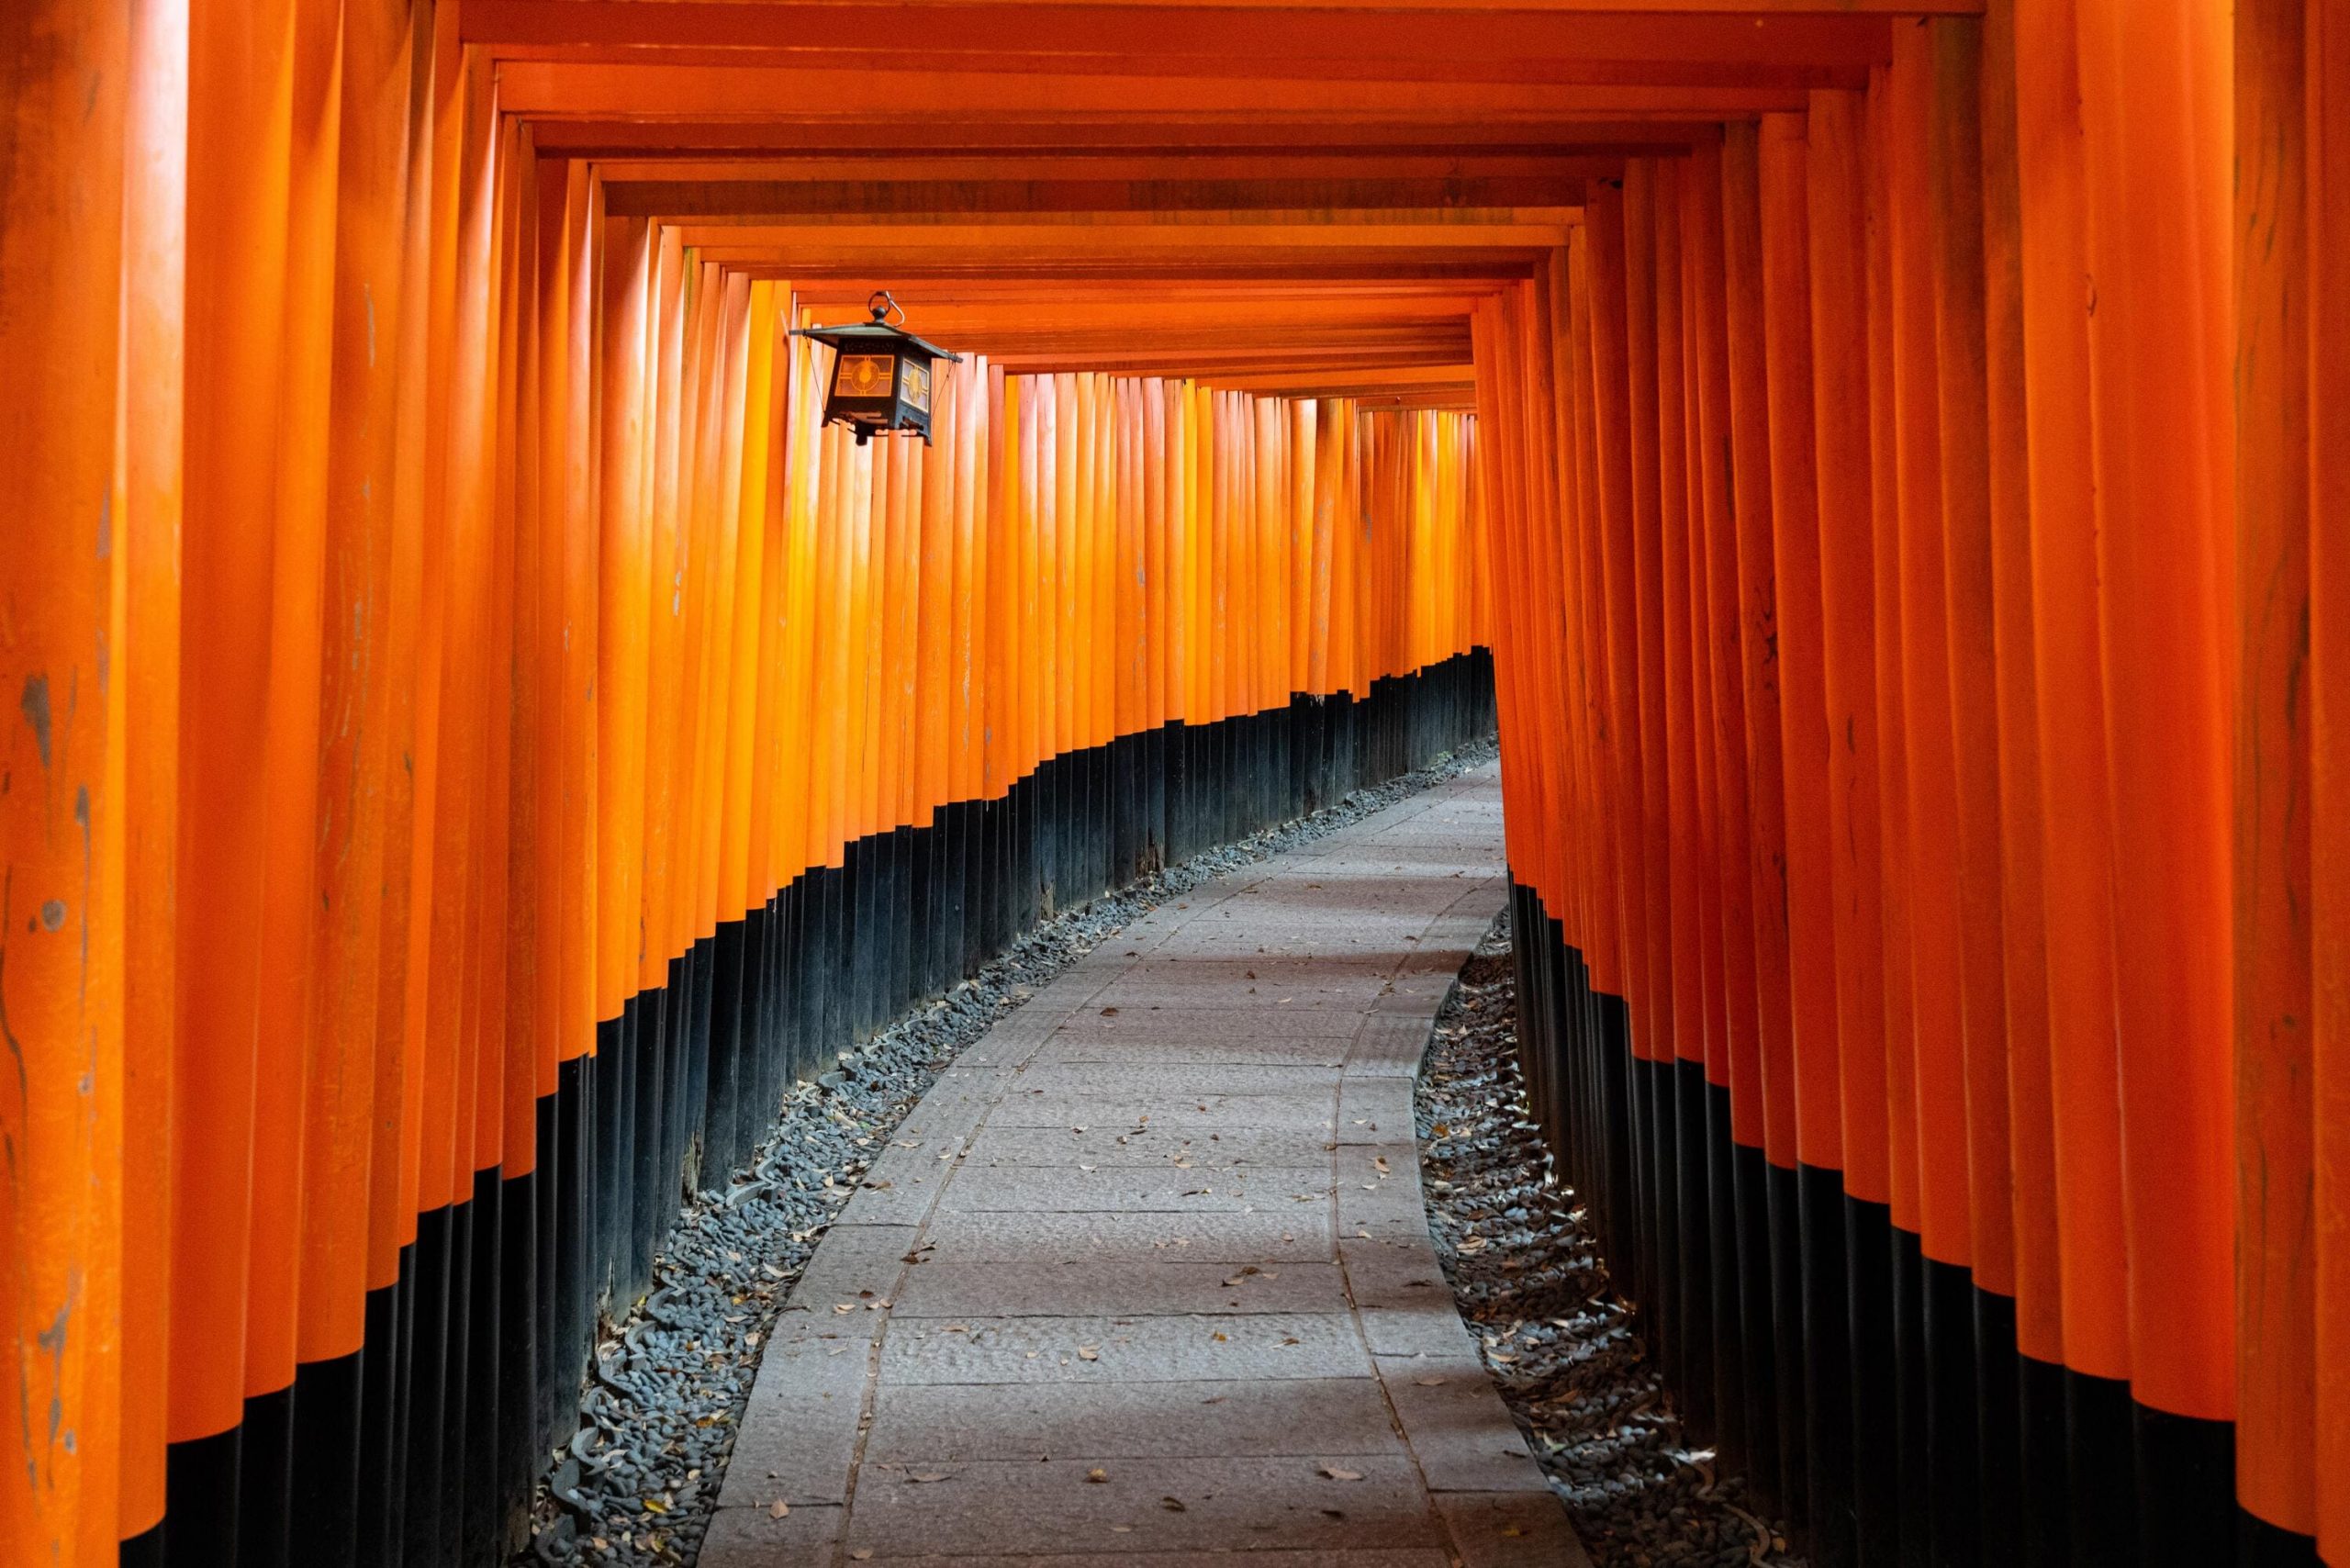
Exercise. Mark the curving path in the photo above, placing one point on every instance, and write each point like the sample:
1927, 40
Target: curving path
1146, 1279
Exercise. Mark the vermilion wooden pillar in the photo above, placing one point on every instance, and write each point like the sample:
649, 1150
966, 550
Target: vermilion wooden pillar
2328, 97
149, 453
65, 73
2158, 375
2276, 1273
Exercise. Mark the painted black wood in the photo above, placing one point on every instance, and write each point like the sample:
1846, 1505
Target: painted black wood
419, 1449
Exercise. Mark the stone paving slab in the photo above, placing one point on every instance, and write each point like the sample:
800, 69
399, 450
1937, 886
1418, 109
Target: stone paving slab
1258, 1501
1375, 1110
1249, 1001
812, 1401
1031, 1189
1122, 1349
1175, 1083
1389, 1045
1212, 1113
1223, 1148
1130, 1420
1070, 1051
1110, 1288
1037, 1240
753, 1537
1510, 1530
1460, 1430
1146, 1278
1202, 1025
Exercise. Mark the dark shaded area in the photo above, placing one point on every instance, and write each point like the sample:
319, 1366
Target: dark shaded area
1568, 1353
421, 1451
1887, 1417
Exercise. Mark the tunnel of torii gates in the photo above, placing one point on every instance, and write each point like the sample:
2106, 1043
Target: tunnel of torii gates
473, 736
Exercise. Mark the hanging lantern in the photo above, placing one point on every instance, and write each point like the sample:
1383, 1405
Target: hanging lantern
880, 374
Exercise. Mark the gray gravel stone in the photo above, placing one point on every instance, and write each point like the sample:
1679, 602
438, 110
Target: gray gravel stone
672, 1371
1561, 1346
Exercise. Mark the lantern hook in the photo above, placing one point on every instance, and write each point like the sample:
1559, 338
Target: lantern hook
882, 305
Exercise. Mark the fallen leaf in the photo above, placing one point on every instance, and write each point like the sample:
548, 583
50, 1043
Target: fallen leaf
654, 1505
779, 1508
1335, 1473
1109, 1013
860, 1554
1172, 1505
1096, 1475
925, 1475
1088, 1353
1219, 1337
1427, 1381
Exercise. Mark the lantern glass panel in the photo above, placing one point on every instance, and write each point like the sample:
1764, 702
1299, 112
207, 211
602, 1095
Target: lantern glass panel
865, 375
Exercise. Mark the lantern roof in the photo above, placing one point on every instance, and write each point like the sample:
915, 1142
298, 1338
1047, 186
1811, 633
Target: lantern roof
852, 336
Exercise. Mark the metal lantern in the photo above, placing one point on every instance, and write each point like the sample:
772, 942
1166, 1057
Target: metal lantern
880, 374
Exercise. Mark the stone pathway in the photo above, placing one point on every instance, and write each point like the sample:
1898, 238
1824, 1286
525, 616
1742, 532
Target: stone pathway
1147, 1277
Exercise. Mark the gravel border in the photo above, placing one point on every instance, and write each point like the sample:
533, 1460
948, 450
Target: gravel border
638, 1484
1562, 1347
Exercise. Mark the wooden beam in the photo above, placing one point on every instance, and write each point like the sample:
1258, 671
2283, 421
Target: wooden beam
916, 99
1735, 71
720, 198
1111, 166
1275, 37
946, 135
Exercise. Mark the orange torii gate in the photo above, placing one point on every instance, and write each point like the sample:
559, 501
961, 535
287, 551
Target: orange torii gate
1893, 452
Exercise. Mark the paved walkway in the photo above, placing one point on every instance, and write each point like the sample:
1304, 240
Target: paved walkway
1146, 1278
